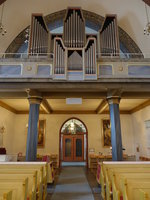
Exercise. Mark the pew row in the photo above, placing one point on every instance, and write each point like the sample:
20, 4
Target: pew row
5, 195
111, 174
39, 174
19, 189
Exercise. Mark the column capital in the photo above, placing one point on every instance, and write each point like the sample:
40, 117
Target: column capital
34, 97
35, 100
113, 99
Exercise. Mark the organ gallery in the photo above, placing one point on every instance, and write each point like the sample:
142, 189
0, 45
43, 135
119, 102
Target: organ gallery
74, 52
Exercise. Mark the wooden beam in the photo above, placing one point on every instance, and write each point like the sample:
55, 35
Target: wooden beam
7, 107
2, 1
103, 105
46, 107
26, 112
74, 112
147, 2
122, 112
141, 106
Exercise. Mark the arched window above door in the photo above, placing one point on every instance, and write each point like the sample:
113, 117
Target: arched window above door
73, 126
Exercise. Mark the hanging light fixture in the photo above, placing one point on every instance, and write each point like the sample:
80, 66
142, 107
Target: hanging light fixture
2, 29
147, 28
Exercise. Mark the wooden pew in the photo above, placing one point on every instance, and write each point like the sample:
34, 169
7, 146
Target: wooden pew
119, 189
104, 176
32, 165
46, 174
19, 188
144, 194
32, 182
5, 195
37, 175
131, 189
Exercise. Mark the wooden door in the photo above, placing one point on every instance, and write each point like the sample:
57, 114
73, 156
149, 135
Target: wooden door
73, 148
78, 149
67, 147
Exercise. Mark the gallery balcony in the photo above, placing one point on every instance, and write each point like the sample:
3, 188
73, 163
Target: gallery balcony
122, 67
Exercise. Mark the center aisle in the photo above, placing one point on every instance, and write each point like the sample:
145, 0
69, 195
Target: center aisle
72, 185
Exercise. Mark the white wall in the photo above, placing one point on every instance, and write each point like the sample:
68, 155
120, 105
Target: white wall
53, 124
141, 133
134, 132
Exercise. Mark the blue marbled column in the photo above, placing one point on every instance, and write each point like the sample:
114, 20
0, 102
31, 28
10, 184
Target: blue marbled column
32, 138
116, 139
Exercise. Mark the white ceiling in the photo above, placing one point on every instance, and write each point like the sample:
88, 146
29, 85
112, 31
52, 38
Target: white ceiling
87, 104
60, 104
131, 16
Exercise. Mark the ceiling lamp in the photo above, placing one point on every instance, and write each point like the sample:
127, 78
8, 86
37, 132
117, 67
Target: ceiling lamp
2, 29
147, 28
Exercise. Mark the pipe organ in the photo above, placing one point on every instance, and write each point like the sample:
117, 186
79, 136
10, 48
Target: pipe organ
74, 29
39, 36
74, 51
59, 56
109, 40
90, 56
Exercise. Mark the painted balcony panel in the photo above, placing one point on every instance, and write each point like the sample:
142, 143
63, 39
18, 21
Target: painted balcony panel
44, 70
10, 70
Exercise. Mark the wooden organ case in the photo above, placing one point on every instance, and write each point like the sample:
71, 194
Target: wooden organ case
75, 53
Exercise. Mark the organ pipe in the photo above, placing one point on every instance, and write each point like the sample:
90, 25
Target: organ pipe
90, 57
59, 57
109, 36
74, 30
38, 35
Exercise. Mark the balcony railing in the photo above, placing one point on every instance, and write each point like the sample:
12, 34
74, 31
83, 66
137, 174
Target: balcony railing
50, 56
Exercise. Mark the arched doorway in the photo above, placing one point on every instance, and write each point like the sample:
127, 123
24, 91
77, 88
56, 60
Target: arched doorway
73, 145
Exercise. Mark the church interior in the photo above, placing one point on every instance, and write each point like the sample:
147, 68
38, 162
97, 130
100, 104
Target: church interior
74, 100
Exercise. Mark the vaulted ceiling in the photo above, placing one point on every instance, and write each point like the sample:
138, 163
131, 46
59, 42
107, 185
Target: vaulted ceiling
131, 16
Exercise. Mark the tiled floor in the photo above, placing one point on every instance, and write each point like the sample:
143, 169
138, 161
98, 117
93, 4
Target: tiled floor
74, 183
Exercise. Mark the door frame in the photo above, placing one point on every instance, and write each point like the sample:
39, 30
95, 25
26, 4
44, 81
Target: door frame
73, 138
86, 133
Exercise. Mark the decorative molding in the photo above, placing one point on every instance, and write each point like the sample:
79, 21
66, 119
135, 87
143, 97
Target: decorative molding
113, 99
34, 96
92, 19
